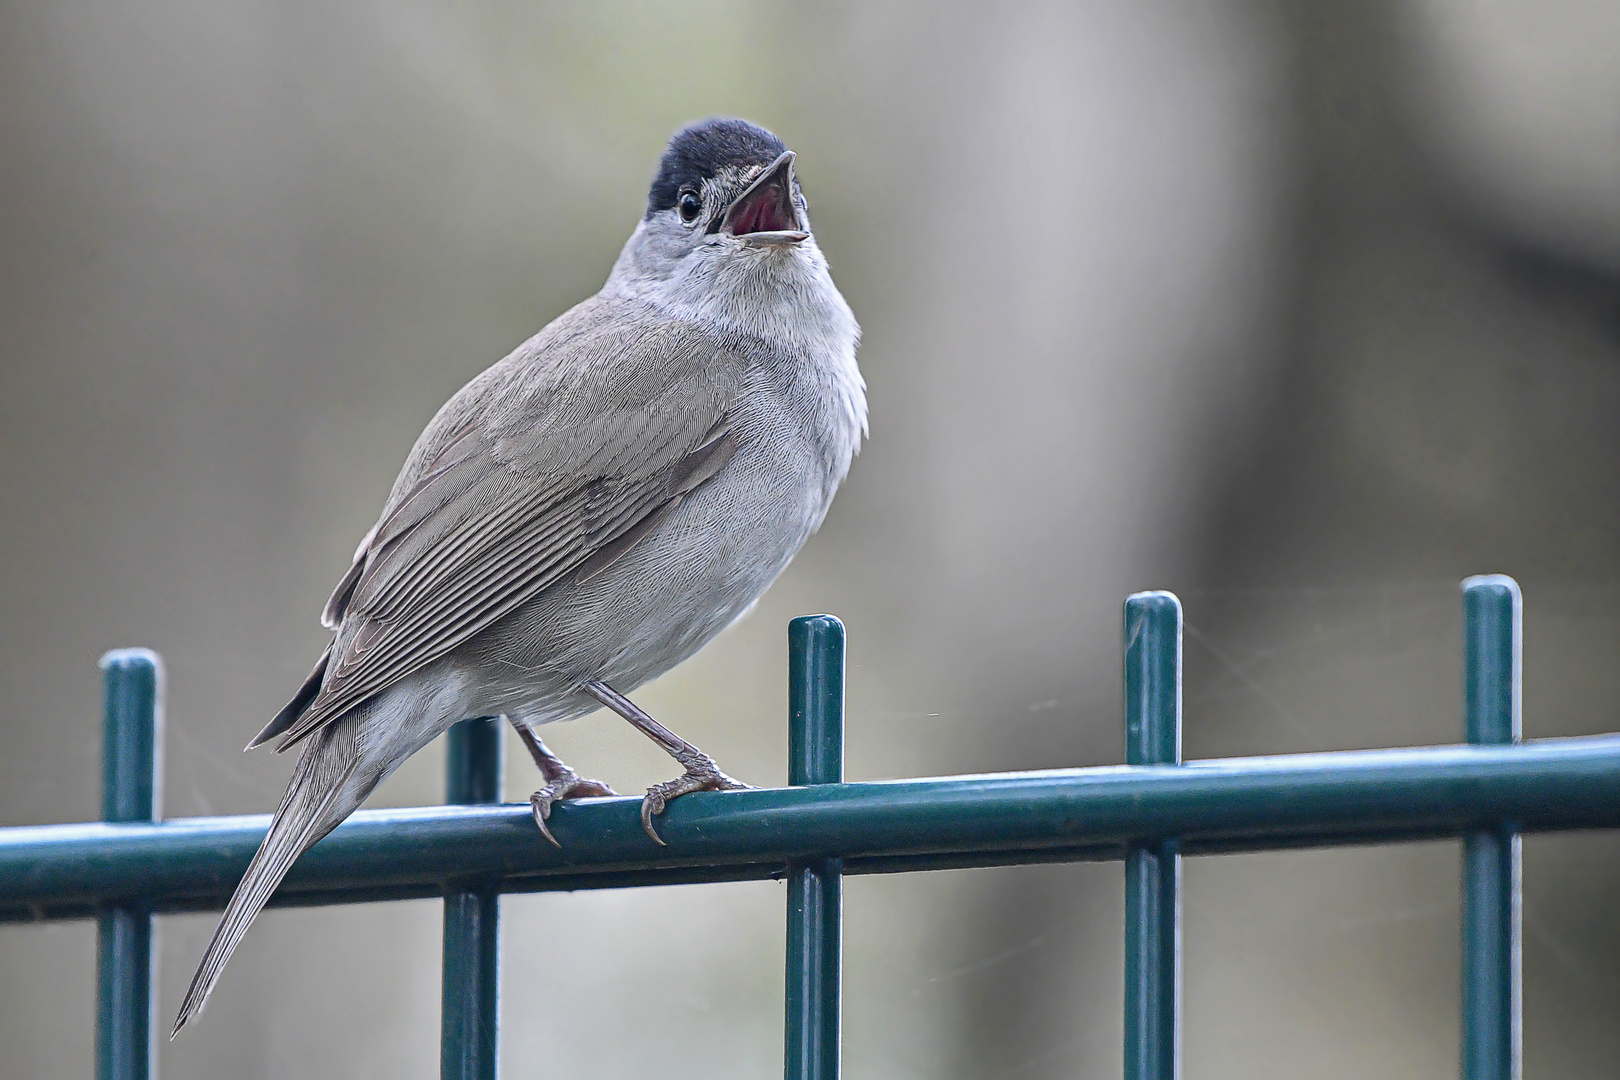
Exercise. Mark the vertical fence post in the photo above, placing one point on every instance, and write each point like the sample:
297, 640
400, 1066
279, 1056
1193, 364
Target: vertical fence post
1492, 994
469, 1032
131, 782
1153, 870
815, 886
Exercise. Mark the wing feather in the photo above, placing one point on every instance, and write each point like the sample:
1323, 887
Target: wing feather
572, 447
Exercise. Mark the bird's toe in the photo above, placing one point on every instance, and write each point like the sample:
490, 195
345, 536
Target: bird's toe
701, 774
568, 785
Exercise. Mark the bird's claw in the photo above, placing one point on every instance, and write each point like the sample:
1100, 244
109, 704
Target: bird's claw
701, 774
567, 785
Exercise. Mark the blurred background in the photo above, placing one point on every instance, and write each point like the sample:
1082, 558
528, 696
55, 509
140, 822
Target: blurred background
1306, 311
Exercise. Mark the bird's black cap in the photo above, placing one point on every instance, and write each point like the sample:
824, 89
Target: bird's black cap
698, 152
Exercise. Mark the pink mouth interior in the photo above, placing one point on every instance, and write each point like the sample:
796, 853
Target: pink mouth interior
766, 210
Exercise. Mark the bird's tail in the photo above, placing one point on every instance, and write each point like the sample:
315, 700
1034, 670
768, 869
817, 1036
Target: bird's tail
312, 807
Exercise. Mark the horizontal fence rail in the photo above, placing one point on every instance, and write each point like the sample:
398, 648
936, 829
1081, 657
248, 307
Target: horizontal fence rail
1234, 804
1150, 814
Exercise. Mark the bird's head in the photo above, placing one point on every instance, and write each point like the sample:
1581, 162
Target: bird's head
724, 209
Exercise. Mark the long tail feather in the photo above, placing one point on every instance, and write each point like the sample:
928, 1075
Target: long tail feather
307, 813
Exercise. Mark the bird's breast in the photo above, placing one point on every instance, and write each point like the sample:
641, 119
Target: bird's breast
692, 575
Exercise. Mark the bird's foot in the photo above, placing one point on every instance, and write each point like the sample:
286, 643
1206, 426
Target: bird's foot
702, 774
563, 783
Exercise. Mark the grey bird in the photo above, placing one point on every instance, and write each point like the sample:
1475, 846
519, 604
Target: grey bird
590, 511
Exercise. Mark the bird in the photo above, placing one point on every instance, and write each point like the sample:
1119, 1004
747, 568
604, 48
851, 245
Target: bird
590, 511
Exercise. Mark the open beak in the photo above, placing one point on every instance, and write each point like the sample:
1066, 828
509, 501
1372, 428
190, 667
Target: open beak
764, 213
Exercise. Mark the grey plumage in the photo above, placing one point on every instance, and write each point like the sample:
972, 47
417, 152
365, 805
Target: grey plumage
596, 506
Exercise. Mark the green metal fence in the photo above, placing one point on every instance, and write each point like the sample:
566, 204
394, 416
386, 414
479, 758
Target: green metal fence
1149, 813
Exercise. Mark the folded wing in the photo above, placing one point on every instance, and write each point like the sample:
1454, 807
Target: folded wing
553, 462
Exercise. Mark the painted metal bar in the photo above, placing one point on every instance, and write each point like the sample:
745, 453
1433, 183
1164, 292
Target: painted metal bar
1492, 947
131, 785
1231, 804
815, 896
1153, 867
469, 1019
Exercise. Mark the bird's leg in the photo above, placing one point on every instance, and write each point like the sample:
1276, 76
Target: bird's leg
561, 781
701, 774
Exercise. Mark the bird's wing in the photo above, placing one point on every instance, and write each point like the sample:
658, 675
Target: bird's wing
552, 462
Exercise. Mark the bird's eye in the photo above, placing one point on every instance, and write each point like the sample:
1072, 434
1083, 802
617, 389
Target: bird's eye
690, 205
